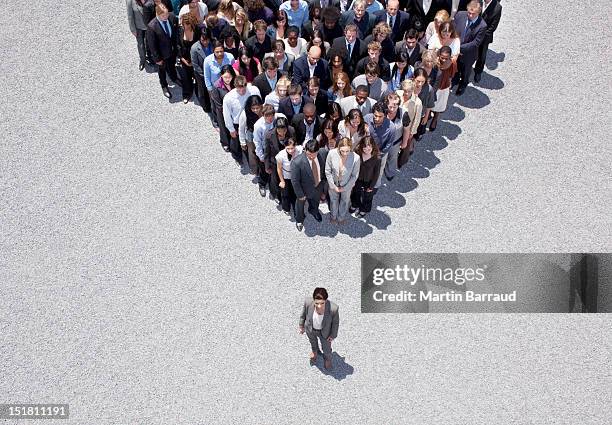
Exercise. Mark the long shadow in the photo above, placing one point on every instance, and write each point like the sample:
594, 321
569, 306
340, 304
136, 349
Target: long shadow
340, 368
494, 58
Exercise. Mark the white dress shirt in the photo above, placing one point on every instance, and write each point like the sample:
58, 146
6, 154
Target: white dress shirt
426, 6
259, 134
317, 320
233, 104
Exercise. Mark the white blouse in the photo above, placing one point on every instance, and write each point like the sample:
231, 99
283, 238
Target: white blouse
435, 44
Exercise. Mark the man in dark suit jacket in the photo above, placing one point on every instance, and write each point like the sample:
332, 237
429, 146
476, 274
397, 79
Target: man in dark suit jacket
308, 179
162, 39
294, 103
285, 60
411, 46
397, 19
317, 96
417, 11
307, 124
357, 47
301, 69
491, 14
270, 75
326, 331
472, 29
363, 20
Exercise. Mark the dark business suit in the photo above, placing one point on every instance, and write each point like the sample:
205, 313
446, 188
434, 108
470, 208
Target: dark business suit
286, 107
287, 68
413, 57
359, 50
471, 38
492, 17
364, 26
300, 128
271, 148
301, 72
321, 102
401, 23
164, 47
329, 326
261, 82
415, 8
148, 9
303, 184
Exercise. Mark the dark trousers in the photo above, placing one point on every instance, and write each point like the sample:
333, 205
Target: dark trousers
275, 189
234, 145
202, 93
360, 198
264, 177
313, 206
168, 66
143, 49
482, 57
288, 197
186, 73
217, 119
464, 72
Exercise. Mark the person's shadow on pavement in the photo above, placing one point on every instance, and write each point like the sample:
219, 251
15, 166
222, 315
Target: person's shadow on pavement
340, 368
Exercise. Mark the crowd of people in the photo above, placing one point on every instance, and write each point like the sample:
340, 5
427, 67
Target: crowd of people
322, 100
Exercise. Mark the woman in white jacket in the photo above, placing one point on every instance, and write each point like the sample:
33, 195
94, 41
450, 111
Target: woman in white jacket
341, 170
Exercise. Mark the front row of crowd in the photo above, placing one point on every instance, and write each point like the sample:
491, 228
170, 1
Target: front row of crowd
324, 124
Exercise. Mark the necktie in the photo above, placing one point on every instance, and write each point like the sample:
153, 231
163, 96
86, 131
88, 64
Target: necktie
315, 173
349, 47
167, 28
391, 21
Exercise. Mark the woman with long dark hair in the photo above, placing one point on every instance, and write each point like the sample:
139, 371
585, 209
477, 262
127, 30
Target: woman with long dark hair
246, 123
278, 29
189, 34
246, 64
221, 87
400, 70
369, 170
353, 126
328, 138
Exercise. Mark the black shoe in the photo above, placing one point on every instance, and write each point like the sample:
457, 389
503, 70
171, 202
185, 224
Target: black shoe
432, 128
390, 178
460, 91
166, 92
352, 210
141, 66
361, 214
477, 77
262, 191
226, 148
318, 217
299, 226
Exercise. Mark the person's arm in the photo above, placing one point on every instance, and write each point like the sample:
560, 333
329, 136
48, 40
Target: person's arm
329, 173
242, 130
258, 140
195, 61
150, 35
279, 171
130, 16
227, 115
492, 26
208, 75
418, 106
334, 326
354, 173
375, 174
472, 45
296, 179
303, 316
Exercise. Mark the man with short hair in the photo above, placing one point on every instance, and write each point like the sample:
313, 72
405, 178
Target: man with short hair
295, 44
378, 88
284, 59
308, 179
350, 47
397, 19
297, 12
374, 50
260, 43
307, 124
360, 17
472, 30
266, 82
381, 130
309, 66
491, 13
317, 96
411, 46
161, 38
359, 100
233, 105
294, 103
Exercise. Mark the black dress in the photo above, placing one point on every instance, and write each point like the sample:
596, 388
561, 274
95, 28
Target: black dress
184, 53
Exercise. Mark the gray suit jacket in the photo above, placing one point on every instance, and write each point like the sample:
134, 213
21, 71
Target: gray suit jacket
331, 319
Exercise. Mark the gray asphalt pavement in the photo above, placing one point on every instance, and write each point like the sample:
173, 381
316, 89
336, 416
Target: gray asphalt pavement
145, 281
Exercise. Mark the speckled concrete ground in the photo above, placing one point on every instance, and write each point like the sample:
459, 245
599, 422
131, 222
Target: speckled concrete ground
145, 281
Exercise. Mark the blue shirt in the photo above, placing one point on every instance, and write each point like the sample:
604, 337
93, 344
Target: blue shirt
296, 17
271, 82
212, 69
383, 135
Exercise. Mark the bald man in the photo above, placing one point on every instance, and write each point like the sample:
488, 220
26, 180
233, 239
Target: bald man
397, 19
311, 65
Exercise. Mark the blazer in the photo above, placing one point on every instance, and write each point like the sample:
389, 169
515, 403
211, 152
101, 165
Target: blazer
364, 27
261, 82
301, 72
286, 107
300, 128
349, 102
331, 318
332, 168
162, 47
302, 178
473, 37
400, 25
136, 16
415, 8
271, 146
415, 56
148, 10
287, 68
359, 50
321, 102
492, 16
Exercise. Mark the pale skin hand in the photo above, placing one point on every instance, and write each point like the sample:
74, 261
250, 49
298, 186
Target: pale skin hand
234, 134
160, 63
330, 339
338, 189
301, 329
